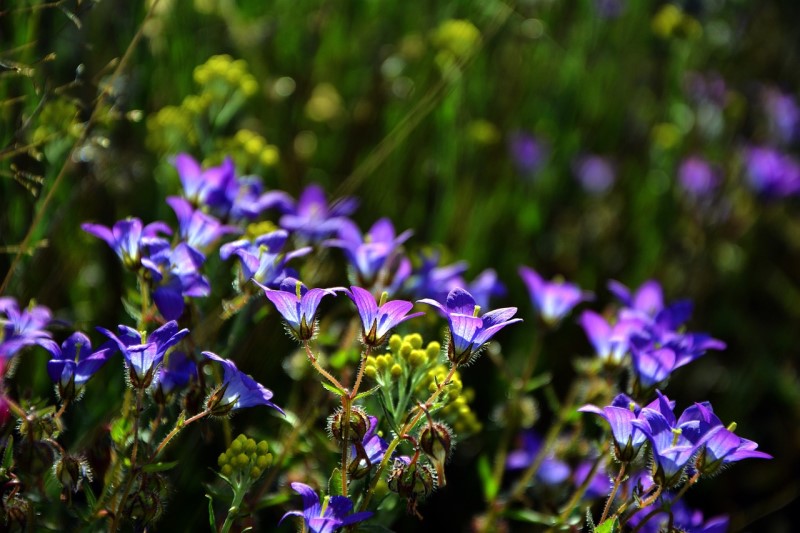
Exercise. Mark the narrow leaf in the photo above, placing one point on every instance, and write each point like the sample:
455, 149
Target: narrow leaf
160, 467
335, 483
490, 487
366, 393
212, 519
609, 526
335, 390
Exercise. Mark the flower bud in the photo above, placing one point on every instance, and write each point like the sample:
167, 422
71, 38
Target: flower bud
70, 471
436, 440
413, 481
359, 425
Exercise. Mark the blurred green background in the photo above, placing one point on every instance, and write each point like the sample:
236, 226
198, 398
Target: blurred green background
464, 120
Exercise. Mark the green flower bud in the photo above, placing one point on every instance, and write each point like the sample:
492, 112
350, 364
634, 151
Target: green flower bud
396, 370
415, 339
405, 349
359, 424
433, 350
394, 342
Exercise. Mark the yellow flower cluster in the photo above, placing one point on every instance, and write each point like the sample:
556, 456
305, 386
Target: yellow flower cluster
248, 150
224, 72
245, 457
409, 360
671, 21
457, 36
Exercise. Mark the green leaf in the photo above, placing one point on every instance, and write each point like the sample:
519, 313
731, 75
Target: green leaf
120, 429
91, 499
609, 526
159, 467
335, 483
366, 393
532, 517
335, 390
212, 519
537, 382
8, 454
490, 487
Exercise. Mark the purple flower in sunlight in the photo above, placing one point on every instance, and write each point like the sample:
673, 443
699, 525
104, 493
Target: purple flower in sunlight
238, 390
129, 239
205, 187
468, 331
719, 445
178, 276
71, 366
143, 355
218, 189
610, 342
652, 365
770, 173
697, 177
620, 415
328, 518
263, 259
527, 152
671, 449
552, 299
312, 218
297, 304
595, 173
369, 254
680, 517
647, 299
552, 471
377, 321
174, 375
486, 286
21, 328
783, 115
197, 229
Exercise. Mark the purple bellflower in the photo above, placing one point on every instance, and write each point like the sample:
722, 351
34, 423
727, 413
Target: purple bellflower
378, 320
197, 229
770, 173
372, 254
433, 281
130, 240
628, 439
297, 304
21, 328
552, 299
143, 355
74, 363
527, 153
218, 189
178, 275
697, 177
669, 445
595, 173
173, 375
647, 299
611, 343
325, 518
719, 446
468, 331
262, 259
552, 471
312, 218
238, 390
783, 115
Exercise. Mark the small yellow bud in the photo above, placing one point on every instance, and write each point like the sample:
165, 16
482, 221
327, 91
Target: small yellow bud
433, 349
263, 447
370, 361
394, 342
382, 361
397, 370
226, 470
264, 461
222, 460
417, 358
250, 445
236, 446
405, 349
370, 371
415, 339
242, 459
255, 472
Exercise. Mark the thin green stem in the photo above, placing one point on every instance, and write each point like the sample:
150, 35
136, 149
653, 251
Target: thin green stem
345, 440
404, 430
238, 496
311, 357
178, 427
132, 471
617, 483
360, 375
